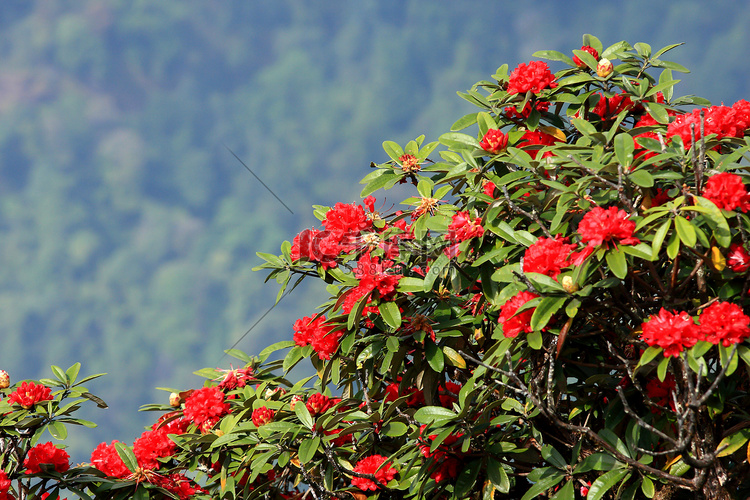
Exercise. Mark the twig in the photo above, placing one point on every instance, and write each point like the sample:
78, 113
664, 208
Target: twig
533, 216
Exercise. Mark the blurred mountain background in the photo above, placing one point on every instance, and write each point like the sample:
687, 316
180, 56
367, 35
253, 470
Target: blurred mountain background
127, 229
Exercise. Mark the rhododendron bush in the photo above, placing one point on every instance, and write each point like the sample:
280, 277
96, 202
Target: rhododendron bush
560, 310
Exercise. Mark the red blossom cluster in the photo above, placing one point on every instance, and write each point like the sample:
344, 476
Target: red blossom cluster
721, 322
727, 191
28, 394
236, 378
463, 227
156, 443
343, 226
494, 141
604, 227
323, 337
318, 403
724, 121
393, 392
660, 392
447, 459
370, 465
205, 406
514, 322
48, 455
533, 77
106, 459
738, 258
373, 275
537, 138
548, 256
5, 487
262, 416
613, 106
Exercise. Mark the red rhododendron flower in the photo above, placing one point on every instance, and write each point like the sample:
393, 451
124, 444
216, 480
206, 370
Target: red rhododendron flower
318, 403
661, 392
673, 332
314, 331
179, 485
4, 486
722, 121
393, 392
547, 256
537, 138
28, 394
463, 227
727, 191
494, 141
724, 322
613, 106
106, 459
586, 48
262, 416
488, 188
316, 246
373, 275
151, 446
533, 77
236, 378
46, 454
738, 259
205, 406
741, 110
602, 227
513, 323
369, 465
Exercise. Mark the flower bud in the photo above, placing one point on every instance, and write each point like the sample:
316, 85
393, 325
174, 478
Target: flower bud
569, 285
604, 68
295, 399
4, 379
261, 416
174, 400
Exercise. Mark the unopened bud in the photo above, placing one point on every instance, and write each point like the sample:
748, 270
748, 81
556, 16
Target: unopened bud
569, 285
295, 399
174, 400
604, 68
4, 379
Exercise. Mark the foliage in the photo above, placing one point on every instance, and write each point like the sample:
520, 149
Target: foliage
559, 311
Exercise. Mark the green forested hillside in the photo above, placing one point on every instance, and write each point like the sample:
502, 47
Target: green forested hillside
128, 230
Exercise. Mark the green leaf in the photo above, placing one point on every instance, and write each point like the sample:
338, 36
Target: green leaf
733, 442
551, 455
435, 271
658, 112
59, 373
308, 447
72, 372
409, 284
436, 414
649, 354
624, 148
390, 313
661, 370
647, 487
673, 247
466, 478
464, 121
284, 344
596, 461
58, 430
553, 55
303, 414
453, 357
393, 150
434, 356
127, 456
535, 340
659, 236
544, 311
567, 492
641, 178
496, 473
605, 482
685, 231
458, 141
549, 478
717, 221
617, 263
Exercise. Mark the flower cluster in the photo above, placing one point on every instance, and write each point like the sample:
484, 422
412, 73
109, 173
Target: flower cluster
727, 191
106, 459
738, 259
370, 465
547, 256
515, 322
604, 227
533, 77
236, 378
205, 407
324, 337
409, 163
262, 416
494, 141
5, 487
463, 227
721, 322
47, 455
723, 121
532, 139
374, 276
28, 394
